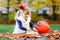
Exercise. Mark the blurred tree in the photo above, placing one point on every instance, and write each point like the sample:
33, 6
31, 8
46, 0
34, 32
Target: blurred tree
55, 9
32, 3
40, 3
58, 1
8, 4
12, 3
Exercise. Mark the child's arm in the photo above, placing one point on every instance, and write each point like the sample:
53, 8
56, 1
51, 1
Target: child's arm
32, 26
20, 25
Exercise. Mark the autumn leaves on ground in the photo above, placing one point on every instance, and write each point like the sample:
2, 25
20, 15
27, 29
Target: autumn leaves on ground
52, 35
6, 33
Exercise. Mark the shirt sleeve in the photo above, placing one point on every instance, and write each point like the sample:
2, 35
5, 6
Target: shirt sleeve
20, 25
31, 25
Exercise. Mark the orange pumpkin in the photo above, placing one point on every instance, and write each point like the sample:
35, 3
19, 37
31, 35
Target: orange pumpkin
43, 27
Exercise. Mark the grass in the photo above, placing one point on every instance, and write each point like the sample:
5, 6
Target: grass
6, 28
10, 28
4, 39
55, 27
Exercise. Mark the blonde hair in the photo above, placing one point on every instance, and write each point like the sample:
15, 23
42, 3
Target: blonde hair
28, 12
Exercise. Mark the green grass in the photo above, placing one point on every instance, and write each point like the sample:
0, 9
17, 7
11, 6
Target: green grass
4, 39
6, 28
55, 27
10, 28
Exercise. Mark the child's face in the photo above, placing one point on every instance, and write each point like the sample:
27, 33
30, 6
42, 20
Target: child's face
26, 15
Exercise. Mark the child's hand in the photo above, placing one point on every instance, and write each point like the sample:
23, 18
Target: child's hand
26, 31
34, 29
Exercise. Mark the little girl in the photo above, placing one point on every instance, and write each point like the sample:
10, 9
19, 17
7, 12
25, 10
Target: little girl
23, 21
